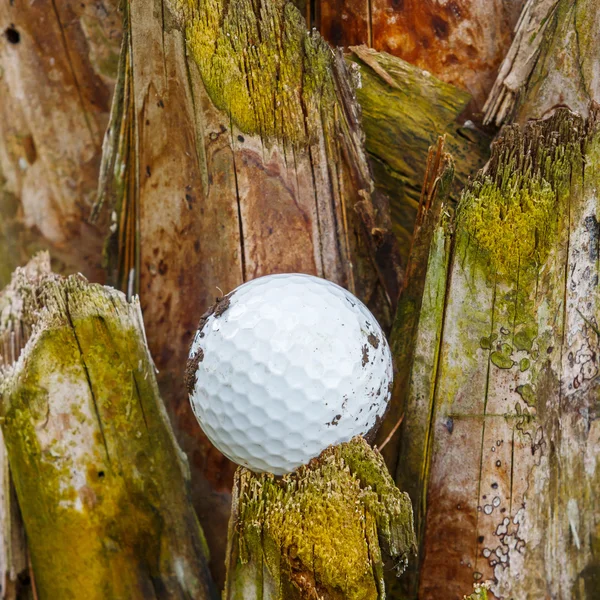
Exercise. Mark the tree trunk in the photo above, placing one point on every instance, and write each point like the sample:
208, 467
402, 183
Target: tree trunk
506, 467
328, 531
100, 479
234, 151
58, 62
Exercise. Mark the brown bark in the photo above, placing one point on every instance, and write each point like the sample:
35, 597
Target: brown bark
462, 42
58, 62
208, 192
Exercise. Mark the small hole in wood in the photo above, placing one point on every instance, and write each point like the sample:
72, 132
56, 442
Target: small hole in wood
12, 35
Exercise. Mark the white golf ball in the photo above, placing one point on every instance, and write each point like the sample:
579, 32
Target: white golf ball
285, 366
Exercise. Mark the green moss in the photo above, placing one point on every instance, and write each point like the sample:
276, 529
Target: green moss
514, 224
96, 469
261, 65
327, 522
512, 210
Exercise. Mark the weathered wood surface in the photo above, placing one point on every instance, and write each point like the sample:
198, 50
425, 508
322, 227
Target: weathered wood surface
416, 328
404, 110
330, 530
234, 151
552, 62
462, 42
58, 61
101, 482
507, 466
15, 572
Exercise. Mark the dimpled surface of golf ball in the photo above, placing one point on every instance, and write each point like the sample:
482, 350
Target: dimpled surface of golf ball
285, 366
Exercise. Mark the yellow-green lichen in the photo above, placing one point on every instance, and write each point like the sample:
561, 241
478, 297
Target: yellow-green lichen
324, 524
513, 209
261, 65
480, 592
514, 223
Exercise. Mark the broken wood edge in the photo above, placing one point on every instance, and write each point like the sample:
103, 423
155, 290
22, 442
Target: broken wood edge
101, 482
327, 529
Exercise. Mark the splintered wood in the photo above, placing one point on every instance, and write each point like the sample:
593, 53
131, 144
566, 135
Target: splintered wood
504, 375
100, 480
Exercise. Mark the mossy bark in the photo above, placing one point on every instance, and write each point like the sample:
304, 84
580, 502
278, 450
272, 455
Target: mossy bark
234, 151
507, 464
327, 531
101, 482
419, 311
404, 110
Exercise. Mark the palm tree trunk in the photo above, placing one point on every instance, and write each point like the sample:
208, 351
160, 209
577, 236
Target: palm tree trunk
504, 477
100, 479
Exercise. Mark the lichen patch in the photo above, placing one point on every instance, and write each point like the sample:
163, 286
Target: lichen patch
330, 522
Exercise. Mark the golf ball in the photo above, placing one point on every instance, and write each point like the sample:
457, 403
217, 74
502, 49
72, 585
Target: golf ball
284, 366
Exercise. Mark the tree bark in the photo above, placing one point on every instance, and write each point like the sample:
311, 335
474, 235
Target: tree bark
234, 151
101, 482
506, 466
58, 61
461, 42
551, 63
404, 110
15, 572
328, 531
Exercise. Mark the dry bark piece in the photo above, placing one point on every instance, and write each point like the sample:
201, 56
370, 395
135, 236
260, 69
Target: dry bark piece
324, 531
58, 61
551, 63
101, 482
506, 468
404, 110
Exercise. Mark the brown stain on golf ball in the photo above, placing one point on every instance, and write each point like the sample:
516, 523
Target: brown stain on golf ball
222, 305
373, 340
365, 355
191, 370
